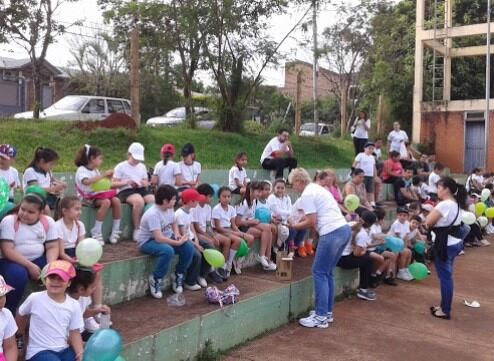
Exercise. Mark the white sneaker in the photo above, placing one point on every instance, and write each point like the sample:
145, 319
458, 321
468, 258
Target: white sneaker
237, 265
410, 274
115, 237
272, 266
155, 287
195, 287
263, 261
489, 229
404, 275
177, 282
90, 325
202, 282
99, 238
329, 318
135, 234
314, 321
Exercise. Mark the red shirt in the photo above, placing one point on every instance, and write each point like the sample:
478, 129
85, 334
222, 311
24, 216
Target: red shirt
392, 169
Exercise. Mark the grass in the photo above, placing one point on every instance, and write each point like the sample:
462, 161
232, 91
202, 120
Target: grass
215, 150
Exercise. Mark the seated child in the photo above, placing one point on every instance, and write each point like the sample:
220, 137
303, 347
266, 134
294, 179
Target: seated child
7, 172
166, 171
280, 206
419, 188
8, 327
189, 168
400, 228
237, 177
415, 236
295, 240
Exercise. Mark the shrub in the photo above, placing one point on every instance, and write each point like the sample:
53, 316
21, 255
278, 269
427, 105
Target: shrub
253, 127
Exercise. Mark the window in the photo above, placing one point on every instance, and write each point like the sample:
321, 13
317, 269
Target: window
115, 106
126, 106
325, 130
95, 106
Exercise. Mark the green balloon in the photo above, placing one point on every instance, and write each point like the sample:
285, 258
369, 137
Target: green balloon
4, 193
36, 190
104, 184
88, 252
418, 271
419, 247
214, 258
489, 212
480, 209
351, 202
242, 250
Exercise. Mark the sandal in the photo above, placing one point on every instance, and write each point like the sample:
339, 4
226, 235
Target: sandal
434, 310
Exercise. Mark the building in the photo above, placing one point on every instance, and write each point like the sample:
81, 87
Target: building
16, 85
456, 129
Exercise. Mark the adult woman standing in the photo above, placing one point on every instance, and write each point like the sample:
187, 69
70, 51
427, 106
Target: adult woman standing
445, 224
322, 213
360, 131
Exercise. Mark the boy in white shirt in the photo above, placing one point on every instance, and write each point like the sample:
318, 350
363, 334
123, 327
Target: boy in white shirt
400, 228
8, 327
367, 162
7, 172
434, 177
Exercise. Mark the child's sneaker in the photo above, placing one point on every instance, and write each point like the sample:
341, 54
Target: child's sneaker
368, 295
223, 273
194, 287
301, 251
263, 261
404, 275
314, 321
90, 325
135, 235
115, 236
155, 286
309, 249
271, 266
202, 282
329, 315
177, 282
215, 276
390, 281
99, 238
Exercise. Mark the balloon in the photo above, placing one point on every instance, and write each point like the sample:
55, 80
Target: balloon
418, 271
214, 258
42, 274
242, 250
471, 208
419, 247
4, 193
352, 202
102, 185
216, 188
482, 221
119, 358
395, 244
88, 252
486, 193
479, 209
263, 215
104, 345
6, 209
468, 218
489, 212
36, 190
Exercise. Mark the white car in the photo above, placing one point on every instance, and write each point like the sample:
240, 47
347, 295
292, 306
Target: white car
176, 117
307, 129
81, 108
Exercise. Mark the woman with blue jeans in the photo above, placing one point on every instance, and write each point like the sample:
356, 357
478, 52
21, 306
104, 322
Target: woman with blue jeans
322, 213
448, 233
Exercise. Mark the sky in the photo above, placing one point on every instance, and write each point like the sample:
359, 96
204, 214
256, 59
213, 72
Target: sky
87, 10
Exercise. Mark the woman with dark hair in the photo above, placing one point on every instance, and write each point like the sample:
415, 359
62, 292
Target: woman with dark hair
360, 131
444, 222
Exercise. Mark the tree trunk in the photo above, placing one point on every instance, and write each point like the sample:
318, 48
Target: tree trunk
37, 101
231, 112
189, 113
344, 106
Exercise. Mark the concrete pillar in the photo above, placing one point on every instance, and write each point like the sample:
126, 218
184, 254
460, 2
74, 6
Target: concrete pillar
448, 23
419, 72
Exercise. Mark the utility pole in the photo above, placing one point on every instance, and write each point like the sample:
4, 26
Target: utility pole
487, 84
314, 67
298, 103
134, 69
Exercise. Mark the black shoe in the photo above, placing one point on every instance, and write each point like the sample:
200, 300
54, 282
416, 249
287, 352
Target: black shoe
222, 273
375, 281
215, 277
390, 281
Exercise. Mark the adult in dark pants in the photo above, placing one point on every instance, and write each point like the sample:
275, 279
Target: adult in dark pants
278, 154
360, 131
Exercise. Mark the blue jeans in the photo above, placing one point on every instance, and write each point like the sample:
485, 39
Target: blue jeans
17, 276
329, 250
444, 271
65, 355
297, 236
164, 252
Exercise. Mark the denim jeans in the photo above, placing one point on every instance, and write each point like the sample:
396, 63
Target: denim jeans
297, 236
329, 250
199, 267
444, 271
65, 355
164, 252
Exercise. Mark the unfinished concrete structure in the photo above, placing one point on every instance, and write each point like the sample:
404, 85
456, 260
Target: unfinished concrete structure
456, 128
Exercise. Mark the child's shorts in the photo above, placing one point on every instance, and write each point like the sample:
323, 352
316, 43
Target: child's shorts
369, 184
143, 191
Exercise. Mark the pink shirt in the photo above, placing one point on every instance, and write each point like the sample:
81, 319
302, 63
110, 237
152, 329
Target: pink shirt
335, 191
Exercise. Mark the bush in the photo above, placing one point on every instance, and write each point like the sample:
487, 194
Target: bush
253, 127
277, 125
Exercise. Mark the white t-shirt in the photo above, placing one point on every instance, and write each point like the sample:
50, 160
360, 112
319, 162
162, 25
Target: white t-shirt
236, 173
124, 171
201, 216
374, 231
433, 179
70, 236
81, 174
378, 153
184, 219
402, 229
244, 211
50, 322
224, 216
360, 131
84, 303
280, 207
397, 138
8, 327
155, 219
31, 177
11, 175
316, 199
274, 145
362, 239
29, 240
367, 163
167, 173
449, 210
297, 212
191, 172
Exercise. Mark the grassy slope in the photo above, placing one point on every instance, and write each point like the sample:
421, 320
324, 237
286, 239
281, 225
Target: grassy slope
215, 150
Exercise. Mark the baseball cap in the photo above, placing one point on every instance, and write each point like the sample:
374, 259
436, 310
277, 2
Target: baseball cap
402, 210
368, 217
369, 144
63, 269
189, 195
7, 151
168, 148
4, 287
136, 150
202, 198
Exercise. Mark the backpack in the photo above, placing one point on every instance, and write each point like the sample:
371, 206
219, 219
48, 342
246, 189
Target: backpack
229, 296
42, 219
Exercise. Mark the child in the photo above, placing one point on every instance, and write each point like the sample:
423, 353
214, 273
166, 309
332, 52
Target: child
8, 327
190, 169
29, 240
237, 177
419, 188
475, 181
131, 179
415, 236
88, 160
367, 163
434, 177
296, 237
246, 222
280, 206
400, 228
7, 172
55, 319
166, 171
223, 216
159, 236
38, 172
82, 288
201, 220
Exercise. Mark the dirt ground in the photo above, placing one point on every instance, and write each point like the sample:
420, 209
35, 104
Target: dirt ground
398, 326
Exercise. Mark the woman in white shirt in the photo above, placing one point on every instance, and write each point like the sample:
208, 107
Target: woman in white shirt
322, 213
397, 139
446, 231
360, 131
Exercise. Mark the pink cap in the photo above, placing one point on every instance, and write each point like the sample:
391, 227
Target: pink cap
63, 269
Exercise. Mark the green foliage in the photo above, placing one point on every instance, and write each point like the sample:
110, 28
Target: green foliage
253, 127
328, 110
208, 353
277, 124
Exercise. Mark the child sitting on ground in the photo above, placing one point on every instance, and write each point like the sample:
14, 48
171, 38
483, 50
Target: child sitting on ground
166, 171
189, 168
400, 228
7, 172
8, 327
237, 177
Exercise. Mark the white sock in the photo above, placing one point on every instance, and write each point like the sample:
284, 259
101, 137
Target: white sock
97, 227
378, 273
116, 225
231, 257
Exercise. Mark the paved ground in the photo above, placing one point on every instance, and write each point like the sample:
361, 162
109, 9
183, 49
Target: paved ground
398, 326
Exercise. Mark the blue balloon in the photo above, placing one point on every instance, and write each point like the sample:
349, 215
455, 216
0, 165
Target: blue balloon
104, 345
395, 244
380, 248
263, 215
8, 207
216, 188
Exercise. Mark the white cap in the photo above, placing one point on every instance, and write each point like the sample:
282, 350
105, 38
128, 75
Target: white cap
136, 150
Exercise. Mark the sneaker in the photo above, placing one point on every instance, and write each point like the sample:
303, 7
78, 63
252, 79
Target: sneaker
329, 315
90, 325
489, 229
237, 266
99, 238
314, 321
194, 287
155, 287
368, 295
177, 282
309, 249
215, 277
223, 273
485, 242
301, 251
462, 253
115, 237
202, 282
410, 274
135, 235
390, 281
263, 261
375, 281
404, 275
271, 266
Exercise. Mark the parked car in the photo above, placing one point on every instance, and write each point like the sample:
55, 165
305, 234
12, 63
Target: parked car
307, 129
176, 117
81, 108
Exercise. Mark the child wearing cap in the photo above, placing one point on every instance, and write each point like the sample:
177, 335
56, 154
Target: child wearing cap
367, 162
8, 327
190, 169
55, 319
400, 228
7, 172
237, 177
131, 179
166, 171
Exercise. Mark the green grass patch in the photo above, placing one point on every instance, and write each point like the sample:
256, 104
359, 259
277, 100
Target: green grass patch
215, 150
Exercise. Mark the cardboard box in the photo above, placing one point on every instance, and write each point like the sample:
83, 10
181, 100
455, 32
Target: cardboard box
284, 265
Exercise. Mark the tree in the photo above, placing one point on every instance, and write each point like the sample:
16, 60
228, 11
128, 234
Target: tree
31, 25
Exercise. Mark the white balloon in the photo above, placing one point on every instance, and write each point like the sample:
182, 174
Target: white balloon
486, 193
471, 208
468, 218
482, 221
